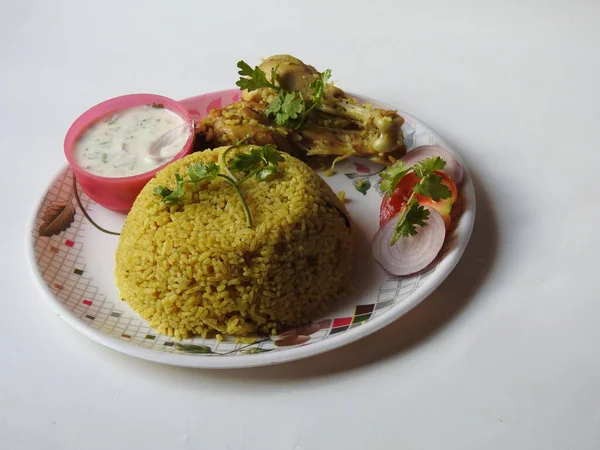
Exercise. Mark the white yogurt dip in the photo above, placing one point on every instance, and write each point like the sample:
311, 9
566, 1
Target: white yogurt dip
118, 145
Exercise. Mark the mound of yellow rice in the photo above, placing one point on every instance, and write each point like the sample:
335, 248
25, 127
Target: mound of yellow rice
195, 268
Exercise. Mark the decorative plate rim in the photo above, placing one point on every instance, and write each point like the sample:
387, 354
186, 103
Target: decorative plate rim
449, 262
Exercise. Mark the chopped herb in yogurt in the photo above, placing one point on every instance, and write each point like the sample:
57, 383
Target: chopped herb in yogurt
118, 147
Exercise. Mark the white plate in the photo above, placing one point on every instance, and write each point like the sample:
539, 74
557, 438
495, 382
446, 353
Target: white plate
75, 270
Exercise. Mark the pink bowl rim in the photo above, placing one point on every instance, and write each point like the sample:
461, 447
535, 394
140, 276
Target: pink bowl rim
83, 122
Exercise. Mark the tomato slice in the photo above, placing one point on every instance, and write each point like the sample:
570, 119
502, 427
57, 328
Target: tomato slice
391, 205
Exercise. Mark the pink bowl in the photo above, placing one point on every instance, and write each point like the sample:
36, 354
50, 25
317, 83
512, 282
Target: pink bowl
118, 194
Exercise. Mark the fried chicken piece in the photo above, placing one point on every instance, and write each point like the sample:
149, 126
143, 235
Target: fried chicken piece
291, 74
339, 126
227, 125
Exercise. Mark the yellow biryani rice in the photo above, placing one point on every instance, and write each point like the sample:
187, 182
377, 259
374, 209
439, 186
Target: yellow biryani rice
195, 268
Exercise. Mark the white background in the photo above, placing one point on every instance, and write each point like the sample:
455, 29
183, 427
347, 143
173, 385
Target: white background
504, 355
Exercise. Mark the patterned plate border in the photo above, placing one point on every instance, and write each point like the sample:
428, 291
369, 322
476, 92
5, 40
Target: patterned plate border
396, 295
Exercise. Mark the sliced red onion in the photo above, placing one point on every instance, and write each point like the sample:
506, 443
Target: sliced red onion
413, 253
453, 168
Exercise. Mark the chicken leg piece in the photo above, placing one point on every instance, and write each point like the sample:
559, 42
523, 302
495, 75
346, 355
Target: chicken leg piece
338, 126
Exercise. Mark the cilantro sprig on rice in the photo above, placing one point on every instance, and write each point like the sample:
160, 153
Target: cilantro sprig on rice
261, 163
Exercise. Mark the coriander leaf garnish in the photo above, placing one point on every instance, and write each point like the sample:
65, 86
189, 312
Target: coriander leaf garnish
267, 173
223, 156
431, 186
247, 162
169, 196
262, 163
415, 216
275, 105
287, 107
428, 166
162, 191
391, 176
318, 89
318, 86
256, 78
245, 69
198, 171
318, 94
270, 154
292, 105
